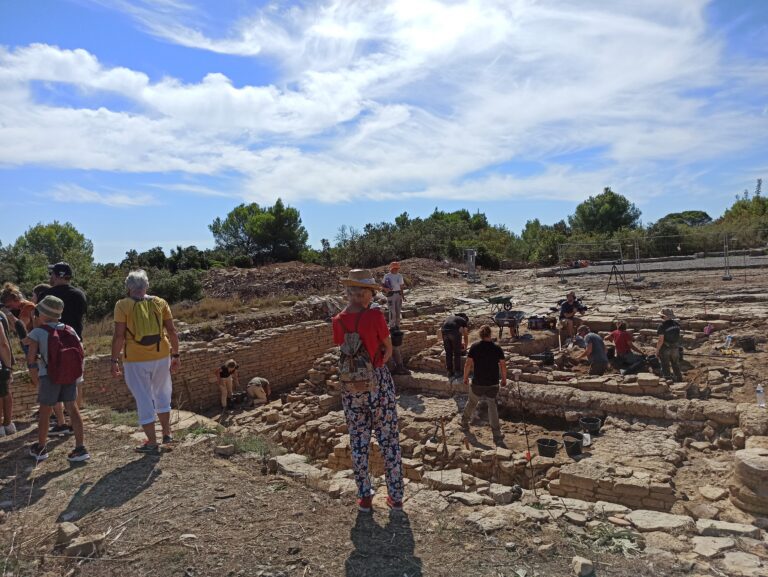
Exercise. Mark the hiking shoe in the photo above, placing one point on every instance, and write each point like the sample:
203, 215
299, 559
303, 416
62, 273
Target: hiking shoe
365, 504
464, 424
148, 448
394, 505
10, 429
38, 453
167, 439
60, 431
79, 455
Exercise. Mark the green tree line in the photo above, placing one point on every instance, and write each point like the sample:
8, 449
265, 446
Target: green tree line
252, 235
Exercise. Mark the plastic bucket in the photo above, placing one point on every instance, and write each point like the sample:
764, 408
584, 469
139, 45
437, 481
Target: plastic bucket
590, 425
573, 442
547, 447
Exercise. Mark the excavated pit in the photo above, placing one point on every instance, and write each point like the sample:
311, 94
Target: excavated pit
651, 429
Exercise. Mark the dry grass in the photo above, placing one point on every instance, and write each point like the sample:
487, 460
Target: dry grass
209, 309
109, 416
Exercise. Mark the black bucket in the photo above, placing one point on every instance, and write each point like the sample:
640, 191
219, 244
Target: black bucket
547, 447
397, 336
573, 442
591, 425
748, 344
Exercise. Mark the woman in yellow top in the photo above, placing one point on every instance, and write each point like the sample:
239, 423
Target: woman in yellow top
146, 336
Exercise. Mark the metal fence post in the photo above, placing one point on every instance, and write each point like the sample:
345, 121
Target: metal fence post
637, 278
560, 262
726, 259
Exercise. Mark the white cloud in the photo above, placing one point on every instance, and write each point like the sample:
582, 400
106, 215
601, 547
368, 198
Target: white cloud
75, 193
407, 97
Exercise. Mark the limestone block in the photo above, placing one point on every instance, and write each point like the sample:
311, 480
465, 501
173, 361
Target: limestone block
645, 520
713, 493
445, 480
713, 528
711, 547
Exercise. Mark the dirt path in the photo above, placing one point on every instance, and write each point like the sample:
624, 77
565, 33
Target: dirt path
188, 513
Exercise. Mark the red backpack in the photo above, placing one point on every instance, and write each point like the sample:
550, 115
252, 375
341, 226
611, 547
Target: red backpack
65, 355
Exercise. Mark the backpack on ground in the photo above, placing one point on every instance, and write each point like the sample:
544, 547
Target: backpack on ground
147, 316
355, 366
65, 355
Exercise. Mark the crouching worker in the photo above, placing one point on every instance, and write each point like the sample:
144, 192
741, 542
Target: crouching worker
625, 345
228, 379
368, 391
55, 362
259, 390
486, 364
595, 350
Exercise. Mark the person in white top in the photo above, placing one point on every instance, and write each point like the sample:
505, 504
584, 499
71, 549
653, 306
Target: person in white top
393, 286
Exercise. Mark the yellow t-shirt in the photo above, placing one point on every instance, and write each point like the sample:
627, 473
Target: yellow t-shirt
135, 352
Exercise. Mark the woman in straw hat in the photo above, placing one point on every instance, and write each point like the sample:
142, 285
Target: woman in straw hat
374, 409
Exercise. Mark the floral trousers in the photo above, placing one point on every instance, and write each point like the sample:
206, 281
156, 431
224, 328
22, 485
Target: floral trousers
376, 411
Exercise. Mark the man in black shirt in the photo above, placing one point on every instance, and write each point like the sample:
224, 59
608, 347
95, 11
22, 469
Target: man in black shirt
75, 307
668, 345
75, 303
486, 360
568, 311
455, 330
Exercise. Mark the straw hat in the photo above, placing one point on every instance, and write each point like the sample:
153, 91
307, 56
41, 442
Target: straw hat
362, 278
231, 364
667, 314
394, 265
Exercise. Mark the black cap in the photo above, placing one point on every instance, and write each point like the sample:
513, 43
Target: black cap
60, 269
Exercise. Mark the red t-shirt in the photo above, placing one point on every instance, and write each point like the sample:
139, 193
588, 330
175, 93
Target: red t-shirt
372, 328
623, 341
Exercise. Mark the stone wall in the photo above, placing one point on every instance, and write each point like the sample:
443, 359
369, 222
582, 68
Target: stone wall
282, 355
550, 400
595, 480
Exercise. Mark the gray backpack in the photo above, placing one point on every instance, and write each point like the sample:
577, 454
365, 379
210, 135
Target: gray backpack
355, 366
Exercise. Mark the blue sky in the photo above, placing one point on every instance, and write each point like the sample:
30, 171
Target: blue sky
141, 121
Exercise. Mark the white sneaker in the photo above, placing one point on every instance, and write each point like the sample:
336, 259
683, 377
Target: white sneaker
10, 429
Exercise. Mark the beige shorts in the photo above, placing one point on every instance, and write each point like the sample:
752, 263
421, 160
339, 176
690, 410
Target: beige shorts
257, 393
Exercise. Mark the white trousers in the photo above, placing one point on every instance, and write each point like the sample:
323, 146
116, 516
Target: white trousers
151, 386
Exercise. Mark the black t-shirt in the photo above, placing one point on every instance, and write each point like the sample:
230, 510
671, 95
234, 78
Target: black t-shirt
224, 371
671, 331
453, 323
486, 356
567, 308
75, 305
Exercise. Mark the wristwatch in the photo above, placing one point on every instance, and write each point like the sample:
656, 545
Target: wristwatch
115, 361
175, 355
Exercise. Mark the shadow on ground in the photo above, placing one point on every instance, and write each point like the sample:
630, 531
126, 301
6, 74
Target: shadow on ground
114, 489
386, 551
16, 468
